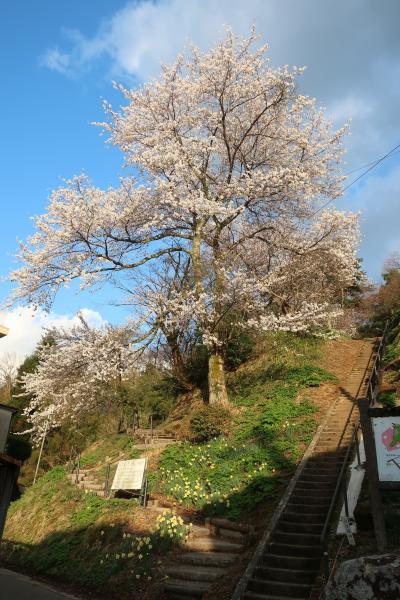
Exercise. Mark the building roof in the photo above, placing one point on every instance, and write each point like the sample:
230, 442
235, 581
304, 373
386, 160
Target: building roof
9, 408
3, 330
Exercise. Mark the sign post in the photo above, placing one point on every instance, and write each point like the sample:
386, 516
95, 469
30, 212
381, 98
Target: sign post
372, 475
130, 476
386, 431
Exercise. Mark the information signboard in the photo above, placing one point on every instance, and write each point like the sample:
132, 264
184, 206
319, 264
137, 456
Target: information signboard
129, 474
387, 442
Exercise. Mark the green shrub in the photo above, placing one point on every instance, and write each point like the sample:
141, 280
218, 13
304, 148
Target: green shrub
208, 423
387, 399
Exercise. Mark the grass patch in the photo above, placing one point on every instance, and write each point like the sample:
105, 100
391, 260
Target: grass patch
57, 530
272, 426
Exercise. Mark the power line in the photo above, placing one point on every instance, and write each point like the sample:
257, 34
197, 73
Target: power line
370, 167
369, 164
375, 164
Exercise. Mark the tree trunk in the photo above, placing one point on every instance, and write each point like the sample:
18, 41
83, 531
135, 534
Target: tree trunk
217, 393
178, 366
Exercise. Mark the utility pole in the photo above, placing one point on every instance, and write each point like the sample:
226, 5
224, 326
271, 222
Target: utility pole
40, 452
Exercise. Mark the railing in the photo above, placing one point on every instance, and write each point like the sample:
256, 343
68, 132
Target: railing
74, 463
341, 485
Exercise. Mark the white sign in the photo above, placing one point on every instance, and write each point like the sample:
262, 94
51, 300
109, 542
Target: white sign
387, 443
129, 474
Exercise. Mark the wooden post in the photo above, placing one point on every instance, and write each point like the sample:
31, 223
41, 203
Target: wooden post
371, 467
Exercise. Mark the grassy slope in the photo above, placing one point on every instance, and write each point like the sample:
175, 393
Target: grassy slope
55, 528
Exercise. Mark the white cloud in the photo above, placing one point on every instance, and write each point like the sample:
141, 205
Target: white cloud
55, 60
351, 49
27, 326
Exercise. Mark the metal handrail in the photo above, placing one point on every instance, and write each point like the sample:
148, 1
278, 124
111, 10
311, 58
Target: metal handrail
372, 385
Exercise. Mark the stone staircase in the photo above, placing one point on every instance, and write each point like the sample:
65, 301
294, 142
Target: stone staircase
286, 566
86, 480
148, 440
155, 438
211, 549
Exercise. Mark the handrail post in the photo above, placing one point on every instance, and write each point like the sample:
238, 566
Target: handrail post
355, 434
346, 501
77, 468
107, 481
326, 565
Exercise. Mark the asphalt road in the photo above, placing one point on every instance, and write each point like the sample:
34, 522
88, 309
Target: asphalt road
14, 586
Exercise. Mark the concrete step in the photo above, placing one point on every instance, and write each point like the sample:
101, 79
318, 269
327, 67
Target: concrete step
214, 545
334, 438
307, 551
234, 536
175, 596
316, 517
295, 498
257, 596
290, 575
315, 475
226, 524
323, 492
94, 487
320, 469
297, 539
194, 572
197, 531
188, 589
315, 484
212, 559
332, 446
292, 527
294, 562
279, 588
74, 478
307, 509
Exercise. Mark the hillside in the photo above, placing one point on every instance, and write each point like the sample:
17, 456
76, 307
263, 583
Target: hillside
117, 549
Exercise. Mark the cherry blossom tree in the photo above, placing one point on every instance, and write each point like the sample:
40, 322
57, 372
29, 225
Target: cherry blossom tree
77, 372
232, 167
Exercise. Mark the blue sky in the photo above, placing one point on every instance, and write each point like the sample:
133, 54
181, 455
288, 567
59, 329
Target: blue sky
58, 59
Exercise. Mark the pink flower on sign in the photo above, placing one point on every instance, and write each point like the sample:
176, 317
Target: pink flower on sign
391, 439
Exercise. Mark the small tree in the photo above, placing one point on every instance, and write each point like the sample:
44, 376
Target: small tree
233, 167
81, 370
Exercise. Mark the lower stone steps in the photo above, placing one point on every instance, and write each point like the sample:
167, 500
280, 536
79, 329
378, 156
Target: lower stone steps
214, 559
187, 589
211, 544
194, 572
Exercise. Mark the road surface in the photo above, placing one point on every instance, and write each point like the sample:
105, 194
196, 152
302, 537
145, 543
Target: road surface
14, 586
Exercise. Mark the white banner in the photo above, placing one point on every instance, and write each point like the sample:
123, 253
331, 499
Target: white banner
387, 443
